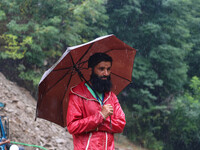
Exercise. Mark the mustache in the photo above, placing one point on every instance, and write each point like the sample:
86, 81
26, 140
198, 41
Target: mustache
104, 77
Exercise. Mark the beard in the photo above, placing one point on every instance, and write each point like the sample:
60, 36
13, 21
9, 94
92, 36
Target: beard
100, 85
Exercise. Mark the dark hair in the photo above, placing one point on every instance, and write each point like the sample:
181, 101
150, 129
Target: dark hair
97, 58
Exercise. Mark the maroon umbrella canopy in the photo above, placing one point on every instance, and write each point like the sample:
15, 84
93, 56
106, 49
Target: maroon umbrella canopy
56, 82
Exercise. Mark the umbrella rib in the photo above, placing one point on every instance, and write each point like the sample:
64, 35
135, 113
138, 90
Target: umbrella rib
69, 81
72, 58
66, 67
62, 69
65, 94
82, 62
85, 53
65, 74
83, 68
58, 81
120, 76
77, 69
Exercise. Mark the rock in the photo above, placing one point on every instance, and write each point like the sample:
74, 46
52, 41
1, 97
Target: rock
60, 141
21, 105
29, 110
20, 108
9, 110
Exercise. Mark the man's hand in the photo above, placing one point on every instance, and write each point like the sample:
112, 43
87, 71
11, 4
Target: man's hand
107, 110
4, 141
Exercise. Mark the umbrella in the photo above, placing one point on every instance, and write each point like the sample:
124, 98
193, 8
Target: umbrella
72, 68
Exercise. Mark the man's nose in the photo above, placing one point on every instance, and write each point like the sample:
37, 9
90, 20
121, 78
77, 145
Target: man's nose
106, 73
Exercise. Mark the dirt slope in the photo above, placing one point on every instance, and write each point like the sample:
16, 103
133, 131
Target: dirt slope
20, 109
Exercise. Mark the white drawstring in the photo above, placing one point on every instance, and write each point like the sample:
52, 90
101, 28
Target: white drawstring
88, 141
106, 140
90, 138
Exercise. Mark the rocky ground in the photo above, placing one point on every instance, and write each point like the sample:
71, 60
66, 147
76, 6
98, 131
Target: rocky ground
20, 109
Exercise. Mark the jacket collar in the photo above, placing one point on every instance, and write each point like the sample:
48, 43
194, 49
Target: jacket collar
82, 91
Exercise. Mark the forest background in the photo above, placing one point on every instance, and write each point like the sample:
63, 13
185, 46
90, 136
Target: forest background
162, 105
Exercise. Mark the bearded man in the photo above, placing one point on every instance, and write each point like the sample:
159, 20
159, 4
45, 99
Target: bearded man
94, 113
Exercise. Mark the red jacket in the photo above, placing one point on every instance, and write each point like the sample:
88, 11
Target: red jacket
85, 122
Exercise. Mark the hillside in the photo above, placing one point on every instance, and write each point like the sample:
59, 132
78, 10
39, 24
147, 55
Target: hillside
20, 109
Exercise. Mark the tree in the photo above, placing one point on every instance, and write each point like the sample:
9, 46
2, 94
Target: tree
183, 125
160, 31
194, 56
37, 32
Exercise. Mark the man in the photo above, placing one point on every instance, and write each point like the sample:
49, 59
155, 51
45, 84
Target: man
4, 143
7, 146
94, 113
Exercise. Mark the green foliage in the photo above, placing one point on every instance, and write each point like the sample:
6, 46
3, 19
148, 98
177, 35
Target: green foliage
37, 32
195, 86
2, 15
172, 60
14, 49
144, 118
166, 35
194, 56
160, 34
142, 127
184, 129
29, 75
90, 14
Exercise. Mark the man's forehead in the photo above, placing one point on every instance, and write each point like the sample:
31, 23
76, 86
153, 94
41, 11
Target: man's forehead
97, 58
104, 64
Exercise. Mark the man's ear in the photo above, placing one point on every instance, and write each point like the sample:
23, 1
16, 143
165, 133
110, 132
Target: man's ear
90, 70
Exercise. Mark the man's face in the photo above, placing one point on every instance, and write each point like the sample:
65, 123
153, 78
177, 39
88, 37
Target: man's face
100, 77
103, 69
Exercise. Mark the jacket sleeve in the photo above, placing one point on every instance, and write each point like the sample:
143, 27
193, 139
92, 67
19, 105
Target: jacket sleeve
76, 124
117, 119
